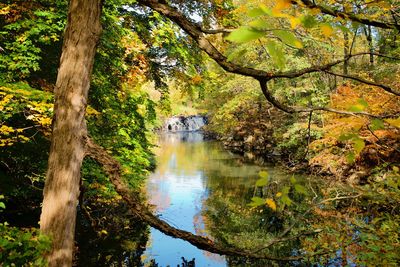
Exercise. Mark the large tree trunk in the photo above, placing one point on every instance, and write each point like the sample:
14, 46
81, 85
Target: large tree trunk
69, 129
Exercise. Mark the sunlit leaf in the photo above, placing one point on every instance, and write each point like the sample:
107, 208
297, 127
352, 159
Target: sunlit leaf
350, 157
281, 5
362, 102
262, 182
300, 189
347, 136
294, 22
288, 38
326, 29
263, 174
271, 203
394, 122
256, 202
285, 199
377, 124
359, 144
244, 34
308, 21
278, 57
259, 11
259, 24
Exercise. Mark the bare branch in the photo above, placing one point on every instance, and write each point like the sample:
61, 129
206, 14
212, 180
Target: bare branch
216, 31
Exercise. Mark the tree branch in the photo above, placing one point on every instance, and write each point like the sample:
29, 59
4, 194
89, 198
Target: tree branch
345, 15
358, 79
268, 95
113, 170
263, 77
216, 31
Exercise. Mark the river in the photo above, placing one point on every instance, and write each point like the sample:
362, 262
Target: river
191, 175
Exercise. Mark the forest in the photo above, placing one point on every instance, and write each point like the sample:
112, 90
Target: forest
299, 157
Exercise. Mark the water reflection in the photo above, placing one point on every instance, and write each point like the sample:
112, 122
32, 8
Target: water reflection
196, 180
177, 188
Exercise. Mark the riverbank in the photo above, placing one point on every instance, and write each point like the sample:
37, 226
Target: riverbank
337, 146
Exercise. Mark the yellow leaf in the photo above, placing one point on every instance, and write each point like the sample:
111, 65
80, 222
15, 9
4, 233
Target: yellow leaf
394, 122
271, 203
294, 21
326, 29
279, 194
5, 10
315, 11
282, 4
104, 232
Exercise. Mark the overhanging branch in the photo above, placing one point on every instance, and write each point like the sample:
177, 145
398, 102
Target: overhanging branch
288, 109
346, 15
359, 79
263, 77
113, 170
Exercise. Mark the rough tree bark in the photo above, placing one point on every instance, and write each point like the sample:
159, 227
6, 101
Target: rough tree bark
69, 129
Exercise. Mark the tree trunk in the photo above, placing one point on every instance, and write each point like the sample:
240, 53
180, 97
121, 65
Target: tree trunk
346, 53
69, 129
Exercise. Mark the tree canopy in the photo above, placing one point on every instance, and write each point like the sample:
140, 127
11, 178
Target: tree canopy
315, 82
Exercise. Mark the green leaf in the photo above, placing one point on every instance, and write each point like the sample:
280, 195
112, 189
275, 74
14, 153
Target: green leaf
300, 189
308, 21
285, 199
255, 12
278, 57
2, 205
359, 144
257, 201
259, 24
360, 106
262, 182
244, 34
350, 157
356, 108
293, 180
347, 136
234, 55
263, 174
288, 38
377, 124
259, 11
362, 102
343, 28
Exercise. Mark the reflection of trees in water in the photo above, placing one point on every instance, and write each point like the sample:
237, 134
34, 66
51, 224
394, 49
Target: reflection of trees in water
230, 220
185, 263
122, 245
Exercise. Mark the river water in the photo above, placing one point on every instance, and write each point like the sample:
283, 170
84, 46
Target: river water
191, 171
